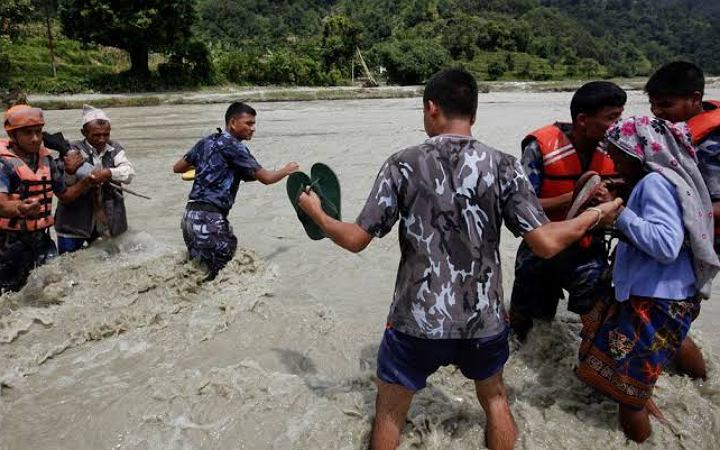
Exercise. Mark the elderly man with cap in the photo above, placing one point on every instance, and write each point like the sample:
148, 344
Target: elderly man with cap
100, 212
29, 178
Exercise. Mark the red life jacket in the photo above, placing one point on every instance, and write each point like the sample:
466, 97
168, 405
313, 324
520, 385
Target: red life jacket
562, 166
34, 185
706, 122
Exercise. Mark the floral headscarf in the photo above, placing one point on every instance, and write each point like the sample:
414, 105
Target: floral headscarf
667, 149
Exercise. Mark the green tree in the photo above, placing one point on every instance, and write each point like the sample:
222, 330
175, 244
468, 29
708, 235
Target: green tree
260, 22
12, 14
137, 26
589, 67
510, 62
412, 61
187, 65
496, 69
5, 64
341, 36
460, 36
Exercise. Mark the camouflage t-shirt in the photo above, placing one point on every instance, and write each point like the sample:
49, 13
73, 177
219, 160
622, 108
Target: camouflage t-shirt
451, 195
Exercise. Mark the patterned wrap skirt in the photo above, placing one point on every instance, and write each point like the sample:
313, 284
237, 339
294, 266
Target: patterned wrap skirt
626, 345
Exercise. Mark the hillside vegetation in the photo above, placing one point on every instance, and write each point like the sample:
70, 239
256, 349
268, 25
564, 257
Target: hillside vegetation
155, 45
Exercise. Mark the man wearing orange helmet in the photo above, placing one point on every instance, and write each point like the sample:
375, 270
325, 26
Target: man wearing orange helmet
29, 178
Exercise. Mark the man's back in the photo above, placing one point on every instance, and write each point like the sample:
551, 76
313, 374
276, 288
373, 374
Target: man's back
451, 195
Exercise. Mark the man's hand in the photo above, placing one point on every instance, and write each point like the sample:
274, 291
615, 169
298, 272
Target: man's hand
610, 212
28, 208
291, 167
73, 160
349, 236
310, 203
100, 176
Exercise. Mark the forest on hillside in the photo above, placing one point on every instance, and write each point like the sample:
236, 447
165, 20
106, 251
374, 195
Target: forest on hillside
106, 44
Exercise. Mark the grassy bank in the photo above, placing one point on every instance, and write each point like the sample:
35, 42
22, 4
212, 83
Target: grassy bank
280, 94
77, 65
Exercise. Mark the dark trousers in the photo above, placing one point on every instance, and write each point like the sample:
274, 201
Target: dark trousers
209, 239
539, 283
20, 253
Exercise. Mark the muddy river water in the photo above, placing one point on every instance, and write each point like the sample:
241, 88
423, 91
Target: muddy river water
121, 347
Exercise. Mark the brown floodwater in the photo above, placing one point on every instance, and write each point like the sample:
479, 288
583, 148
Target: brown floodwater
120, 346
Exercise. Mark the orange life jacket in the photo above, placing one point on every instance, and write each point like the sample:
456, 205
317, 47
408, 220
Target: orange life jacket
562, 166
702, 125
35, 185
706, 122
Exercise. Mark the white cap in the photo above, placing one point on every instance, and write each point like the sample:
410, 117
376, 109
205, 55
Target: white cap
89, 114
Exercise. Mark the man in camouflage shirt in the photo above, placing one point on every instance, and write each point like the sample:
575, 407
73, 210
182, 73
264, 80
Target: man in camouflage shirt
451, 195
221, 161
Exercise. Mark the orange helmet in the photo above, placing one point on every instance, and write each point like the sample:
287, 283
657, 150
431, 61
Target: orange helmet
21, 116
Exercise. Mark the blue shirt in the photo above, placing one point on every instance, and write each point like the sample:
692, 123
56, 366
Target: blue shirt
653, 262
221, 162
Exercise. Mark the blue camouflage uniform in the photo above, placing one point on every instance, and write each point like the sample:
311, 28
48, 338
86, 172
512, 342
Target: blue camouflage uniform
221, 163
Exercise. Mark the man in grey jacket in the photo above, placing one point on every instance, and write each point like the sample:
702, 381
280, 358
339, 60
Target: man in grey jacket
101, 211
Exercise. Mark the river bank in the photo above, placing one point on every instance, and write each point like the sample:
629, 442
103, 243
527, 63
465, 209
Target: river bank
286, 94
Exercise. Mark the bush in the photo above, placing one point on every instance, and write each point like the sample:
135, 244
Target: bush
188, 65
412, 61
496, 69
284, 65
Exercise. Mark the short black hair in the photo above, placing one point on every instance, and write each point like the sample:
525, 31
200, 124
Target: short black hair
595, 95
238, 108
454, 91
680, 78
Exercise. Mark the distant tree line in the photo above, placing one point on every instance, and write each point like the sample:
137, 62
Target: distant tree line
315, 42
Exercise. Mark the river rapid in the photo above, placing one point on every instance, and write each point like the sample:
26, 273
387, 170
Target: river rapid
121, 346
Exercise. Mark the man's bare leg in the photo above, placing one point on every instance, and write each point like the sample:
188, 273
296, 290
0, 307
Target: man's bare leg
391, 407
690, 361
635, 423
501, 432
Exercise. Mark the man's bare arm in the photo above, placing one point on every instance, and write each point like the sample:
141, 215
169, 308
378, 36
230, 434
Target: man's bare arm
560, 203
554, 237
349, 236
182, 166
273, 176
76, 190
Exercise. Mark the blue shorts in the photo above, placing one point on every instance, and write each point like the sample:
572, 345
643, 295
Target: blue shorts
408, 361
